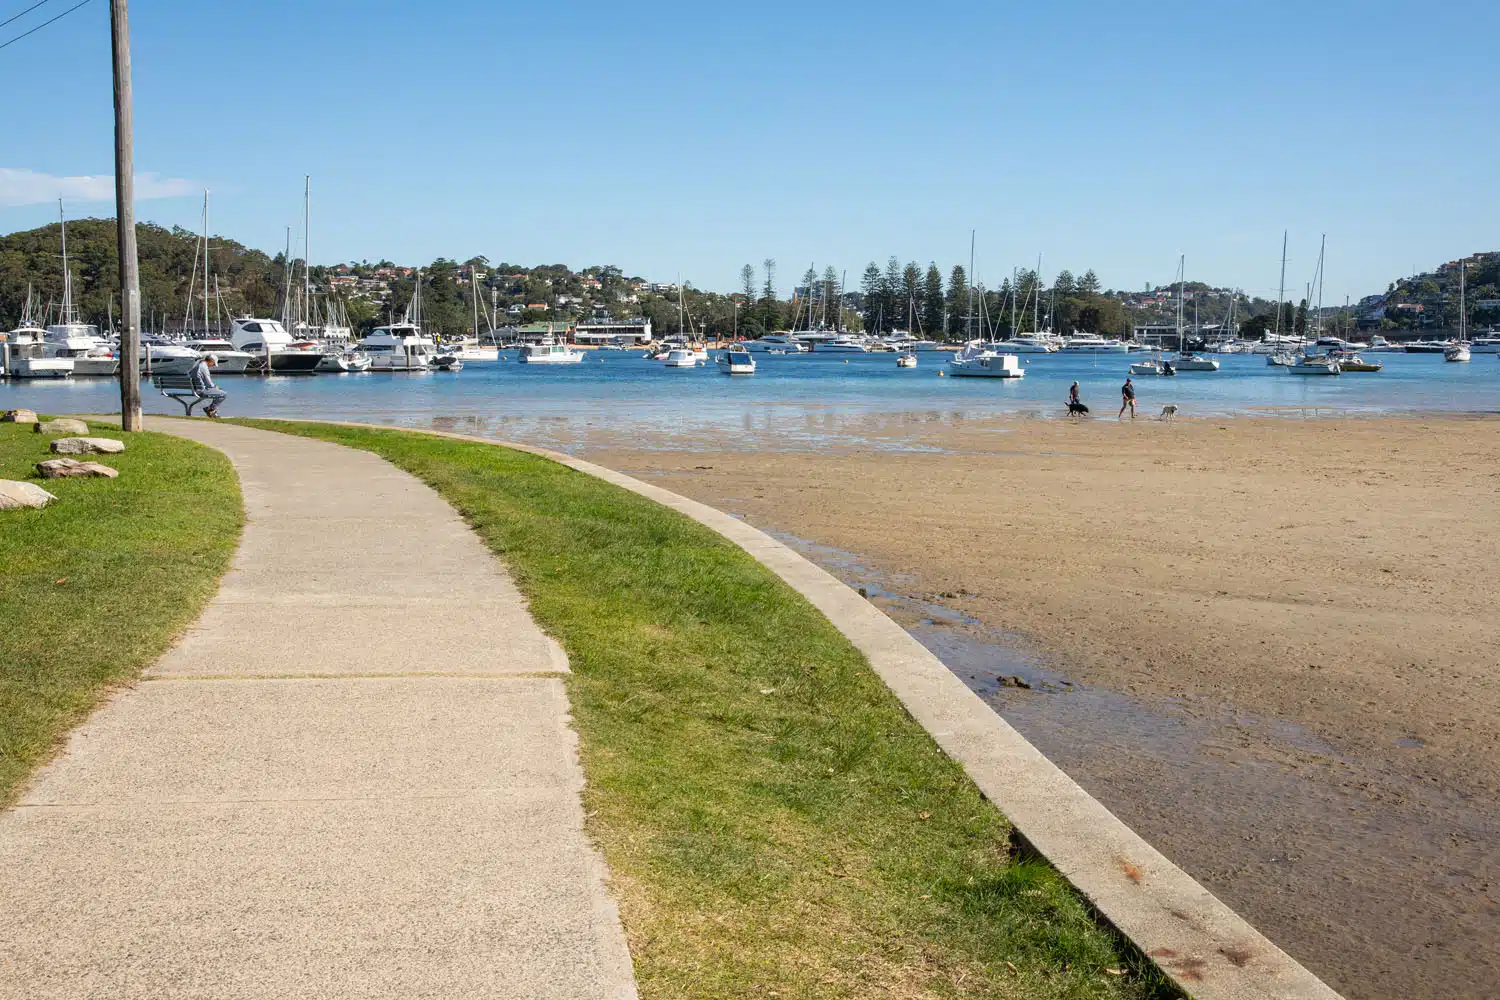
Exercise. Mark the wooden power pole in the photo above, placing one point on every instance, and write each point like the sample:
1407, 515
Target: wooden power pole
130, 276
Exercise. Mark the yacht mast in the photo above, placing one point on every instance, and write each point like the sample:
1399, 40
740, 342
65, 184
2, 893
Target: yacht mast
1281, 295
969, 279
1322, 249
205, 263
1036, 300
1181, 273
1462, 318
306, 254
474, 294
67, 302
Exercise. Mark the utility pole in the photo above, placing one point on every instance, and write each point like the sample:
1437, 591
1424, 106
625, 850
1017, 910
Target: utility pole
130, 276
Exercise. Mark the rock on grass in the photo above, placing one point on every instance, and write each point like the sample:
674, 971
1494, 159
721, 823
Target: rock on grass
16, 495
65, 468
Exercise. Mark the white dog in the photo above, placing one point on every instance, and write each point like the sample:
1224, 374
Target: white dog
1168, 412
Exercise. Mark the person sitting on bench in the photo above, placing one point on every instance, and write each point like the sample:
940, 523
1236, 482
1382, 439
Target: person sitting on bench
203, 384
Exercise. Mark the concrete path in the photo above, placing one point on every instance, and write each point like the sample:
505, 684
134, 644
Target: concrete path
354, 777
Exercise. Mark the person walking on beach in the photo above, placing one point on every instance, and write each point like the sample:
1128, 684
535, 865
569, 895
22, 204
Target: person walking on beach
1127, 399
203, 383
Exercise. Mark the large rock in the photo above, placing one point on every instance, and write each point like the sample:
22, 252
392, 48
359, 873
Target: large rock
87, 446
15, 495
64, 426
18, 417
66, 468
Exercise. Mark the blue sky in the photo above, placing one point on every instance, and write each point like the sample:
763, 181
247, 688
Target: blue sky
693, 138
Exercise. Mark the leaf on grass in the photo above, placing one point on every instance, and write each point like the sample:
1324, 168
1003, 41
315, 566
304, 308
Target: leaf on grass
1115, 972
1013, 968
924, 815
63, 580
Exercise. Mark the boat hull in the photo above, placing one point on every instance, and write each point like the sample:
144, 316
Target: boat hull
40, 368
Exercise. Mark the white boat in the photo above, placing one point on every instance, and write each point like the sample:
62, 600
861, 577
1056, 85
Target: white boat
69, 338
907, 360
549, 354
1281, 359
160, 356
1187, 361
843, 345
736, 362
1485, 345
682, 357
1460, 352
1029, 345
400, 347
265, 339
1349, 361
231, 361
1092, 343
979, 361
782, 342
470, 349
1145, 368
26, 355
344, 361
1380, 344
1314, 364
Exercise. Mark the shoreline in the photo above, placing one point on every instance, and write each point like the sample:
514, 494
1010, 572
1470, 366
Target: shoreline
1299, 602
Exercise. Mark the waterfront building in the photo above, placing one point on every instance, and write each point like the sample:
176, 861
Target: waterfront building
604, 330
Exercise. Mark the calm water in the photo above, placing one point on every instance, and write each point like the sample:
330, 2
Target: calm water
816, 400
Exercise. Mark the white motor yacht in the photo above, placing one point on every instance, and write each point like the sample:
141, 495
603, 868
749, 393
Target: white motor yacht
1380, 344
979, 361
782, 342
1029, 345
400, 347
549, 354
344, 361
265, 339
736, 362
1092, 343
1187, 361
682, 357
843, 345
1427, 346
1487, 344
90, 353
1314, 364
160, 356
26, 355
231, 361
1147, 367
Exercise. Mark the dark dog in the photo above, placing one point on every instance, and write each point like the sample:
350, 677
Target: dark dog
1077, 409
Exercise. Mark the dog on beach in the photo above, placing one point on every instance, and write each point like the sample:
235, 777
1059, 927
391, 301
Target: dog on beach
1168, 412
1077, 410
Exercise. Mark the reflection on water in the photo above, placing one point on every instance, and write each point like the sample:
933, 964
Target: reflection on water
809, 402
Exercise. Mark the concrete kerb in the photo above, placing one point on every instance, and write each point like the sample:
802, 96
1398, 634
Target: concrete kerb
1207, 949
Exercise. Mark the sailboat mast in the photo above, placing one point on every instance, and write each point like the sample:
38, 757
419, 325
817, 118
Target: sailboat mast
1281, 295
1181, 275
1462, 305
474, 294
205, 263
67, 302
969, 318
307, 252
1036, 299
1322, 250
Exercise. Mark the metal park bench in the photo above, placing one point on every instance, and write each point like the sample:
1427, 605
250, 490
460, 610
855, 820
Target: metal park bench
180, 388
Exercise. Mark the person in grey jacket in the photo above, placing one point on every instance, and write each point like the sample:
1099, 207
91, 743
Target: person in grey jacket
203, 383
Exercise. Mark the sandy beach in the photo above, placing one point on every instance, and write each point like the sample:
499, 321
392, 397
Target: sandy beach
1269, 644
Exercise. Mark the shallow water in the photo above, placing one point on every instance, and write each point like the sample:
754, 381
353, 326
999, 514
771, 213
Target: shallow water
1381, 880
810, 401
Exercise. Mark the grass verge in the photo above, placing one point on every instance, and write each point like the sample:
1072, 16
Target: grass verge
98, 584
775, 823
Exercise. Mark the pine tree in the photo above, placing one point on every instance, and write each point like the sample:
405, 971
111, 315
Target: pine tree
932, 301
747, 283
1065, 284
869, 285
832, 307
909, 308
958, 295
768, 291
1089, 283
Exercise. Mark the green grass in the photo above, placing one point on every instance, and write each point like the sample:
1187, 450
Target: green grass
776, 825
99, 583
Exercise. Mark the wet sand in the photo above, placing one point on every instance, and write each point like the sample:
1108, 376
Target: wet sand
1269, 644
